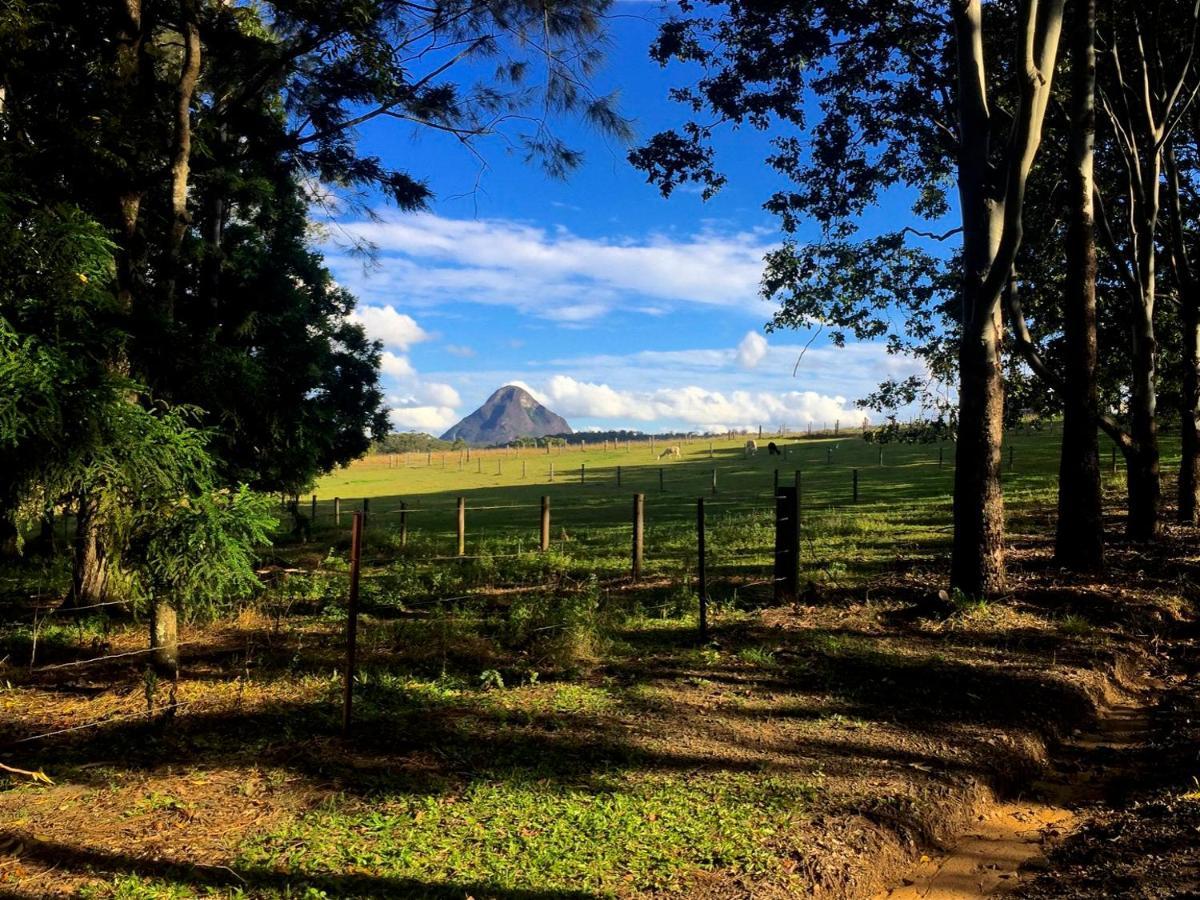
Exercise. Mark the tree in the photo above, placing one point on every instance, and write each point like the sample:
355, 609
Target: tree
1144, 92
907, 98
168, 120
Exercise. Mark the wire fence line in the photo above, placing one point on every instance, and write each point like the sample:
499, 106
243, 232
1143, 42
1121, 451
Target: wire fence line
777, 561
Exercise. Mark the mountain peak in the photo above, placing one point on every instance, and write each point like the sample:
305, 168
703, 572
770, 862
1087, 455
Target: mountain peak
511, 412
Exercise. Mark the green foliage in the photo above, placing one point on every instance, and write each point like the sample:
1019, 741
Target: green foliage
199, 550
57, 387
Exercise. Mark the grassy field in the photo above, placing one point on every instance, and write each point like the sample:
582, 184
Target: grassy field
534, 725
903, 508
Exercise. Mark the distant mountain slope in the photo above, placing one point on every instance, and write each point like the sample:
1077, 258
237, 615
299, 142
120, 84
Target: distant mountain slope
508, 414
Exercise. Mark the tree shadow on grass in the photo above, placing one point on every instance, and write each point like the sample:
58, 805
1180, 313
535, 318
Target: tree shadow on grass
67, 858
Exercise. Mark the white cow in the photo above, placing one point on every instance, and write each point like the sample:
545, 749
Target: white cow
751, 447
672, 452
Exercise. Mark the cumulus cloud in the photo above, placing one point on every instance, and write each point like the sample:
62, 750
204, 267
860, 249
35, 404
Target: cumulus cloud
751, 350
432, 419
551, 273
395, 366
460, 350
396, 330
695, 406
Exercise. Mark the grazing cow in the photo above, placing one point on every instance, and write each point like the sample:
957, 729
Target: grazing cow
751, 447
672, 452
773, 449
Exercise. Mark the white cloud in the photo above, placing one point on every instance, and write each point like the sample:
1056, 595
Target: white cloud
551, 273
696, 406
439, 394
460, 350
751, 350
396, 330
432, 419
396, 366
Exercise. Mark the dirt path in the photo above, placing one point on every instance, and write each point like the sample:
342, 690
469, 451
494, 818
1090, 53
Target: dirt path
1011, 837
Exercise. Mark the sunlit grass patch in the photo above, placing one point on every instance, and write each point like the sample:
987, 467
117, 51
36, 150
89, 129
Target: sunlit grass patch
612, 835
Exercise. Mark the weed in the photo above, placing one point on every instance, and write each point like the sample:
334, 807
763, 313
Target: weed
758, 656
1075, 625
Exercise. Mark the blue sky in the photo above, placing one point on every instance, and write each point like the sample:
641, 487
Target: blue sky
614, 306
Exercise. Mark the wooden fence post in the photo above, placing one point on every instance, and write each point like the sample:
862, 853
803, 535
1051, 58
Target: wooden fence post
881, 454
313, 517
352, 622
403, 524
582, 472
462, 526
799, 498
337, 510
618, 476
828, 456
775, 486
545, 534
714, 482
522, 468
787, 545
552, 473
366, 510
701, 569
1011, 450
856, 485
639, 508
662, 480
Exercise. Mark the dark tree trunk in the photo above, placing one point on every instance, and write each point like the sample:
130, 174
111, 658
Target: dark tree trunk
1189, 345
89, 581
977, 566
1079, 539
1142, 460
1189, 414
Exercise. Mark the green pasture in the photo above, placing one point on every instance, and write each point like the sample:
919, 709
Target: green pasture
903, 508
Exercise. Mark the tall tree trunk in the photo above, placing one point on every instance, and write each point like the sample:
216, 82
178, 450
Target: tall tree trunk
89, 581
992, 202
1189, 346
1079, 538
189, 77
977, 566
1142, 464
164, 638
1189, 413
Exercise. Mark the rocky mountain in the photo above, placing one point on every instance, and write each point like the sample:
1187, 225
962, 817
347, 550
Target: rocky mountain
508, 414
